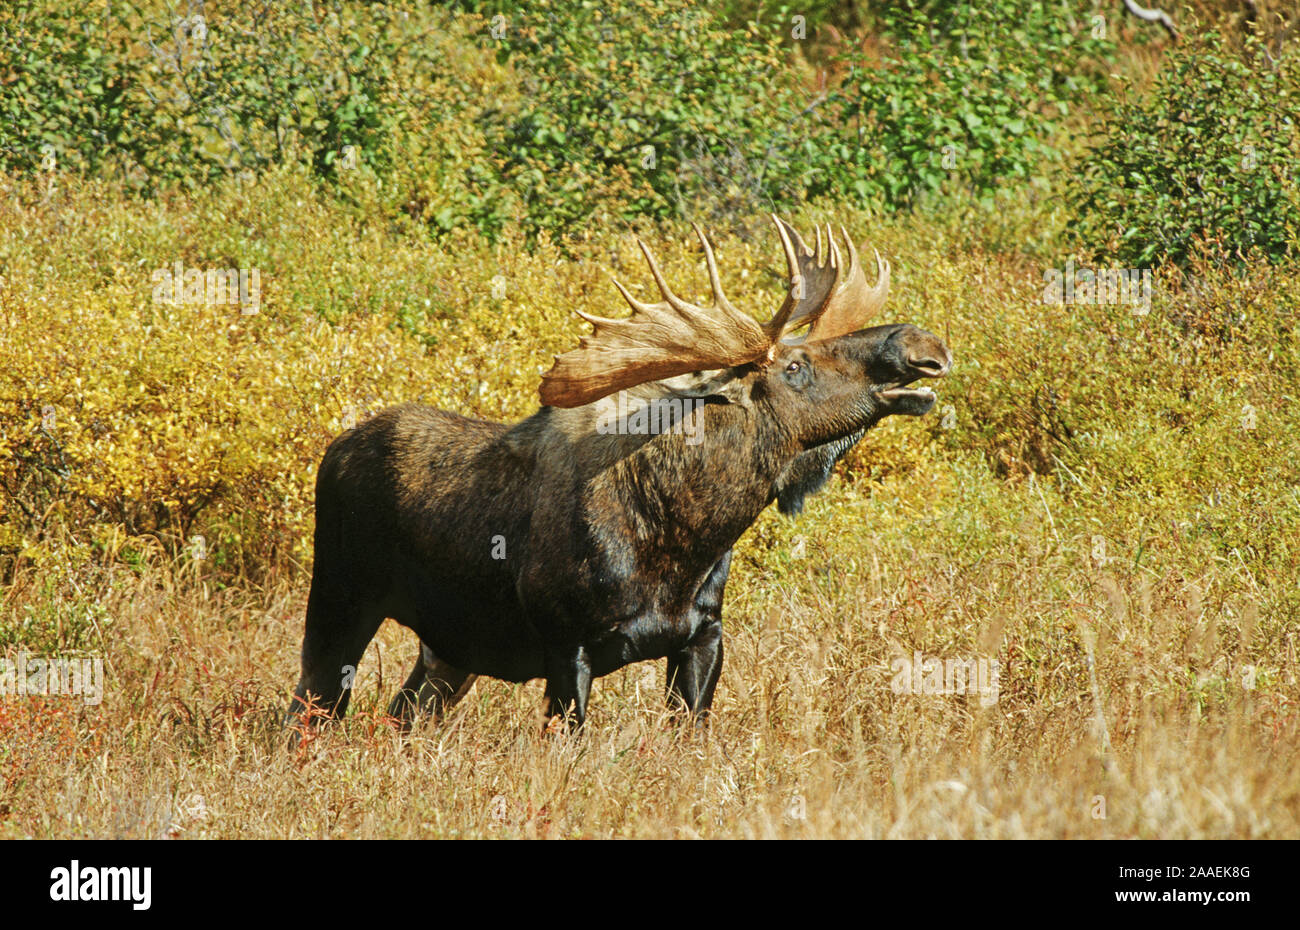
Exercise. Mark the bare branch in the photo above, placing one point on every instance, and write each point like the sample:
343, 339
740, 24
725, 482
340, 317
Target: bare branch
1153, 15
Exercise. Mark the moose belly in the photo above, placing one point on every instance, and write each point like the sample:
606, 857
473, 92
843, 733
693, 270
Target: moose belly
488, 646
477, 626
649, 636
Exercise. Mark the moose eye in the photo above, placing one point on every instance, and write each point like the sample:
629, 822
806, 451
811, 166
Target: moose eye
792, 368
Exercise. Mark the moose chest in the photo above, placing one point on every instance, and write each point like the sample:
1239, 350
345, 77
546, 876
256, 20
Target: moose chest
647, 613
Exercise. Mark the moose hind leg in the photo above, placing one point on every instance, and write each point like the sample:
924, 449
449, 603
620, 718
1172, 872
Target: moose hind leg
433, 688
337, 634
406, 703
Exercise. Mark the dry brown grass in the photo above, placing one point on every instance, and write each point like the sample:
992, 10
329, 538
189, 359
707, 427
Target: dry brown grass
1096, 495
808, 740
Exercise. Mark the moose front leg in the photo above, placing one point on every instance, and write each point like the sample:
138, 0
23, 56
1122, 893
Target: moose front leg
693, 671
568, 684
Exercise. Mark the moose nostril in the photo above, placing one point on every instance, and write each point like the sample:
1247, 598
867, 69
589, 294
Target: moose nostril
928, 365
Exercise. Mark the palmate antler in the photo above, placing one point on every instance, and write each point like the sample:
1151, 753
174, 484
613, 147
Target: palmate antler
675, 337
837, 301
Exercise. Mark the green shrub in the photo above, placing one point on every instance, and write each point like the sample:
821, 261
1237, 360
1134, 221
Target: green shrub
66, 91
1204, 161
165, 95
971, 95
640, 109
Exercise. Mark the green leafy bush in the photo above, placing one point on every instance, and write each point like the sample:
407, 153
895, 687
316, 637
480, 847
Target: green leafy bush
1204, 161
970, 95
167, 95
546, 117
640, 109
66, 92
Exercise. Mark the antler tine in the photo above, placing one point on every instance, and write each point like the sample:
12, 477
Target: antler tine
834, 249
715, 283
881, 289
791, 259
853, 302
875, 295
673, 300
776, 325
635, 304
813, 277
660, 340
853, 249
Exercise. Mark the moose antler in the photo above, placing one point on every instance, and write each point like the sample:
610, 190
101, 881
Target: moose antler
675, 337
837, 300
656, 341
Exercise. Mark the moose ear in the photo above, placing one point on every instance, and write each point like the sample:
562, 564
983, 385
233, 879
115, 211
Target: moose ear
717, 387
733, 392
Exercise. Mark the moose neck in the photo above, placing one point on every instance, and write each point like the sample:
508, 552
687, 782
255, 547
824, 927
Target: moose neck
698, 493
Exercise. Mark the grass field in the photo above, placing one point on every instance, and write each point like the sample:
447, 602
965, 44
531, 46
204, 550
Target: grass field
1106, 505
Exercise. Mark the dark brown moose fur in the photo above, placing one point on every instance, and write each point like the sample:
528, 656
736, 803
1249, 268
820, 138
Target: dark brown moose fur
554, 549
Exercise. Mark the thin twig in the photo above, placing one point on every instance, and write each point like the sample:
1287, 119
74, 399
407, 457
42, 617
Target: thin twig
1153, 15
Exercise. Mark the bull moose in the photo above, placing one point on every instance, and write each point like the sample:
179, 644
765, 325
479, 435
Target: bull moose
577, 541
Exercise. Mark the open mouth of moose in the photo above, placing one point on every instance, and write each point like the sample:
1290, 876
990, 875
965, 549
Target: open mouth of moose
898, 398
911, 402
